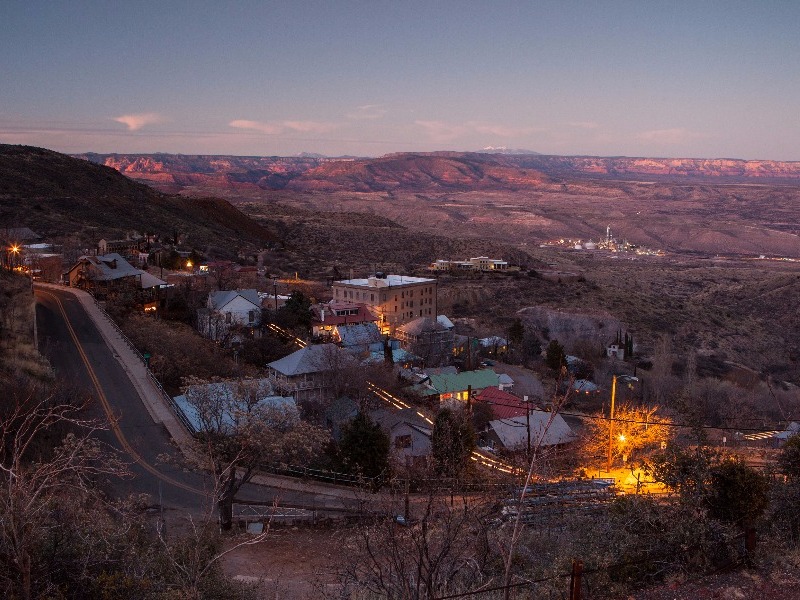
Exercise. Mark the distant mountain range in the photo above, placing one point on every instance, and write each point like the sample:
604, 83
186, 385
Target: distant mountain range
495, 169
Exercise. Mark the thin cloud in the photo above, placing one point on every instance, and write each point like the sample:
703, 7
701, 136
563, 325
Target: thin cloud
504, 131
677, 135
139, 120
278, 127
367, 112
441, 131
584, 124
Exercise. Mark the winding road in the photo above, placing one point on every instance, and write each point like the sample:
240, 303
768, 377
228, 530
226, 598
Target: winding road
81, 358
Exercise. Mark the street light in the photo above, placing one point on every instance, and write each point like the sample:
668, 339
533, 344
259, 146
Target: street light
12, 259
611, 422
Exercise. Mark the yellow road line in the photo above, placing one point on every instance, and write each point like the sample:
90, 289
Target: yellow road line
112, 419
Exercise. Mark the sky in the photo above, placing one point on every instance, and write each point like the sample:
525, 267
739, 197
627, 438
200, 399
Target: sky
591, 77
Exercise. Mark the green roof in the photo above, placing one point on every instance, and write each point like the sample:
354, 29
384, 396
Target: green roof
459, 382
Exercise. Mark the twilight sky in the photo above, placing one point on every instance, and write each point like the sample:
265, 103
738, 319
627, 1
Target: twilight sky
683, 78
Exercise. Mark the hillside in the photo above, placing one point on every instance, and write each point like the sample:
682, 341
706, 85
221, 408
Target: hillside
427, 172
175, 172
59, 196
416, 173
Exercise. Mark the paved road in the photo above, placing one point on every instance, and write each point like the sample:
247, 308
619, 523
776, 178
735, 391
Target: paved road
81, 358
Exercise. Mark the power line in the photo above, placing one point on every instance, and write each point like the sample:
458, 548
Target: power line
640, 422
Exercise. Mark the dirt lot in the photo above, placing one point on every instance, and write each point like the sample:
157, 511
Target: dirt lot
293, 562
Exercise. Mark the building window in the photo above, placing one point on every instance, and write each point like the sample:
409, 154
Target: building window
402, 441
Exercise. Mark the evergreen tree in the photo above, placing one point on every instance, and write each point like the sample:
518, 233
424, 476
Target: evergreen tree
737, 494
789, 458
296, 312
516, 333
364, 449
452, 442
555, 357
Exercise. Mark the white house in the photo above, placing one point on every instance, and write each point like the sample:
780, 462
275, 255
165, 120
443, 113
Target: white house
615, 351
227, 312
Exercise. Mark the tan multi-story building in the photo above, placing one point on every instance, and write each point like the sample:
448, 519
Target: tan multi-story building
477, 263
395, 299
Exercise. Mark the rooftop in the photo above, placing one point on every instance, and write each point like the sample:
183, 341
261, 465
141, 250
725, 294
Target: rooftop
311, 359
386, 281
447, 382
504, 405
513, 433
229, 397
217, 300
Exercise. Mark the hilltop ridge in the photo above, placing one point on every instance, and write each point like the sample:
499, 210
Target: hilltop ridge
59, 195
428, 172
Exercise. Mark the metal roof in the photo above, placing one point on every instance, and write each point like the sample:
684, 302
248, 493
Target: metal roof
312, 359
513, 432
446, 382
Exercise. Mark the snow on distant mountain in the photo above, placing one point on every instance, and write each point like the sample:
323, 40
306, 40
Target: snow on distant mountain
505, 150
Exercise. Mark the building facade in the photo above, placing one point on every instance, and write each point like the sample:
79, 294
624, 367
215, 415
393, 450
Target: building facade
394, 299
477, 263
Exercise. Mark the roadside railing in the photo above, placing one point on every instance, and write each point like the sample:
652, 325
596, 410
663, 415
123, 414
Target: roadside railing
165, 396
288, 470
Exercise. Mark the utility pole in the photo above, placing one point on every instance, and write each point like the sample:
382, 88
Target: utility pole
528, 424
611, 422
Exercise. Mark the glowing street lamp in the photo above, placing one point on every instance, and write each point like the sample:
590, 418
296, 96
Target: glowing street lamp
12, 255
611, 423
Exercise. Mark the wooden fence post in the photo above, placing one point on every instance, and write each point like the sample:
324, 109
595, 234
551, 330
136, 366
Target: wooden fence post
575, 580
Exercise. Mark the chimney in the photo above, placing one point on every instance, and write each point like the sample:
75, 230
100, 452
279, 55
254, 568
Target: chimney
322, 314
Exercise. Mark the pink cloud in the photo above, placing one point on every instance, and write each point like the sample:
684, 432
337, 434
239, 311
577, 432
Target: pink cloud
138, 120
368, 112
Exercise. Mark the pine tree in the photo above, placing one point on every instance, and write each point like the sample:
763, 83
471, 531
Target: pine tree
364, 449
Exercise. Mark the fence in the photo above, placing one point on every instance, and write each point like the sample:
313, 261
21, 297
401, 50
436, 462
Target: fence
165, 396
290, 470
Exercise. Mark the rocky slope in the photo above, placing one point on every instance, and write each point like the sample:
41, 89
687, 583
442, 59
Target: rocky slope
427, 172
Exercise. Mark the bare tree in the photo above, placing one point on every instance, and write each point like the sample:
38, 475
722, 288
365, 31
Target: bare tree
440, 551
32, 478
241, 431
633, 429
